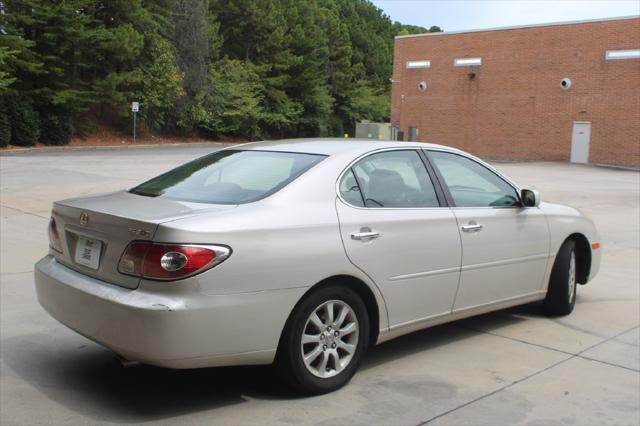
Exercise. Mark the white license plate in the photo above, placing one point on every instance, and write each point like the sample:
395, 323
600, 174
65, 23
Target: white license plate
88, 252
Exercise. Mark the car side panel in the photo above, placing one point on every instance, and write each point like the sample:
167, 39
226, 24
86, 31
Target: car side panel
289, 240
507, 258
565, 221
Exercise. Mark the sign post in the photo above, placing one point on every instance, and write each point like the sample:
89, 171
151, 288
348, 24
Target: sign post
135, 107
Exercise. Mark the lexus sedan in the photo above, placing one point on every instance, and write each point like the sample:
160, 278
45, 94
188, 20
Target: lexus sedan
304, 253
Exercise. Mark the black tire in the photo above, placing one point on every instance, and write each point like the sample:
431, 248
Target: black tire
289, 360
560, 300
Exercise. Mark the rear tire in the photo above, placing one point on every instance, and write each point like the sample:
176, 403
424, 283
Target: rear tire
332, 322
561, 294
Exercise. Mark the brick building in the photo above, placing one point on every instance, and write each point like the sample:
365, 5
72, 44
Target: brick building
565, 91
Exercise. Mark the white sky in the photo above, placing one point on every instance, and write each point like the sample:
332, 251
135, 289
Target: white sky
456, 15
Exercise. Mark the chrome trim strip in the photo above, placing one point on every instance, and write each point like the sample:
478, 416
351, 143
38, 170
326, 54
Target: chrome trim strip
425, 274
505, 262
470, 267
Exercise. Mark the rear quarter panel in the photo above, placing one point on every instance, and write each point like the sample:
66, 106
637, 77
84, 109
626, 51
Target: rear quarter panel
288, 240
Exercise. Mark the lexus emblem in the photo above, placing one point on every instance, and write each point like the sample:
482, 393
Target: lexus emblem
84, 218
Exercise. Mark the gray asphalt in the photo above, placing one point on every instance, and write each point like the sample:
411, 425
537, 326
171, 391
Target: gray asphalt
510, 367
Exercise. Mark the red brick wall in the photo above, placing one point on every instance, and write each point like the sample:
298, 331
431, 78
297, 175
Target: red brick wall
514, 107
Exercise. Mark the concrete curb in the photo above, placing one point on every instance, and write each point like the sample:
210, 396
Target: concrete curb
110, 147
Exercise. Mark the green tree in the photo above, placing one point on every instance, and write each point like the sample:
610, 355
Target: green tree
25, 121
191, 41
235, 107
247, 68
5, 124
6, 77
161, 84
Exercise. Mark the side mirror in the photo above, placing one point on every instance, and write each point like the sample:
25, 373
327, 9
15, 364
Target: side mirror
530, 197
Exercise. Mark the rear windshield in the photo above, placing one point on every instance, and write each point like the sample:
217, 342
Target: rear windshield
229, 176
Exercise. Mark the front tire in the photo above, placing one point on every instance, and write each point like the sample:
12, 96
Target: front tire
324, 340
561, 294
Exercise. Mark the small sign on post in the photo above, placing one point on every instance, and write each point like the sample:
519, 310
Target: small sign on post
135, 107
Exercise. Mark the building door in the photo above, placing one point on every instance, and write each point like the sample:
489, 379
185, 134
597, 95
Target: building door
580, 141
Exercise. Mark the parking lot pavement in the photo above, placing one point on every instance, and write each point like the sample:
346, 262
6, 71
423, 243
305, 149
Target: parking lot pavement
510, 367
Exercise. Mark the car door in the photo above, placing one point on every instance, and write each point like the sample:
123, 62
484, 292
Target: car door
505, 246
396, 229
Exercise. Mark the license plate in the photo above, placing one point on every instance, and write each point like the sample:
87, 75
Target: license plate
88, 252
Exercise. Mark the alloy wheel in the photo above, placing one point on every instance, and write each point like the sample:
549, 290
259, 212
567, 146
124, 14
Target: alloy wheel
329, 338
572, 276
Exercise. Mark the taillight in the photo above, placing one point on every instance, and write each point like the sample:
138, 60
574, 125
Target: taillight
169, 261
54, 237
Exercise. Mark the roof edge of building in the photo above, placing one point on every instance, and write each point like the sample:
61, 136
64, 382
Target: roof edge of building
518, 27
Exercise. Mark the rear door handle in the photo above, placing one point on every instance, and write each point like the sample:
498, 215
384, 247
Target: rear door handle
364, 234
471, 227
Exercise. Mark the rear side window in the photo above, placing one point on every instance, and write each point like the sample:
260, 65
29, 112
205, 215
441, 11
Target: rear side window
350, 190
389, 179
229, 176
471, 184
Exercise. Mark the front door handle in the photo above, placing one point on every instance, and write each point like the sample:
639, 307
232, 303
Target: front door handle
364, 234
471, 227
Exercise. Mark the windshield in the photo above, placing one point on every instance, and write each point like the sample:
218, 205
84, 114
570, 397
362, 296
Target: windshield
229, 176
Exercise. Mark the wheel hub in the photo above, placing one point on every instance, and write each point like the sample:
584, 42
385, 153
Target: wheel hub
329, 338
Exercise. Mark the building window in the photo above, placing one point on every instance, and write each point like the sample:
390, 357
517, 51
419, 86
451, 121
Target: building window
467, 62
418, 64
612, 55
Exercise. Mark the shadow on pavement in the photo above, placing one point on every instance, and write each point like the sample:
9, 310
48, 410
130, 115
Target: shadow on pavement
89, 380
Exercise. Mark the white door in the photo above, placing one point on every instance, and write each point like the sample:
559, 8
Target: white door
580, 142
394, 229
505, 247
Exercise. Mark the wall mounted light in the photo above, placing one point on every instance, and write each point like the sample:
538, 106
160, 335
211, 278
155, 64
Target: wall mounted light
467, 62
418, 64
612, 55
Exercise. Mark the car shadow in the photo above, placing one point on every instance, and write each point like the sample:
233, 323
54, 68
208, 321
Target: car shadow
88, 379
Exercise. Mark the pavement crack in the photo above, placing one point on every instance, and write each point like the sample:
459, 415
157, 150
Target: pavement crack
572, 356
495, 391
518, 340
24, 211
609, 363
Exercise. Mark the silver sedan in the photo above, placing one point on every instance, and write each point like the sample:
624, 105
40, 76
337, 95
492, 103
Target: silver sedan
304, 253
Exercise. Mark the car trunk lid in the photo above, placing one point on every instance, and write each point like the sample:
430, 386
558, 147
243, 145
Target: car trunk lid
95, 231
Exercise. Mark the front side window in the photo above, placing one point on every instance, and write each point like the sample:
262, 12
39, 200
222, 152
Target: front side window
229, 176
389, 179
471, 184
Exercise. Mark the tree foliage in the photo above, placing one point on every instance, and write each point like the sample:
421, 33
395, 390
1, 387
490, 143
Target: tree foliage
249, 68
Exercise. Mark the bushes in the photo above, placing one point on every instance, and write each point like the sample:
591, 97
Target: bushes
5, 125
25, 122
22, 125
56, 127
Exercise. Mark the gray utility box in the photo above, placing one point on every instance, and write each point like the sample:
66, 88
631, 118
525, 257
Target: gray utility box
367, 130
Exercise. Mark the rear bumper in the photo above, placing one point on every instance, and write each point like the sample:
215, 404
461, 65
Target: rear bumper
176, 330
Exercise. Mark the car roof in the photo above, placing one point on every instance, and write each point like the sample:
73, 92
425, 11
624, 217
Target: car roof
332, 146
